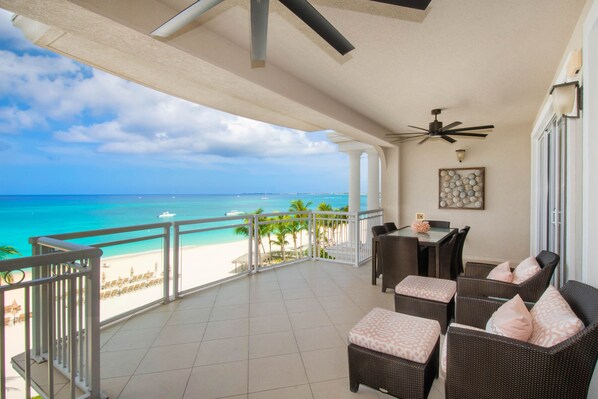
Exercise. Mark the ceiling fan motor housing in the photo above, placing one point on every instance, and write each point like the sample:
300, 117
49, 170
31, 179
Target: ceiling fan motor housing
435, 126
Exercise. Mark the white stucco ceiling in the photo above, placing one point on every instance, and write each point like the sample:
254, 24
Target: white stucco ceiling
484, 61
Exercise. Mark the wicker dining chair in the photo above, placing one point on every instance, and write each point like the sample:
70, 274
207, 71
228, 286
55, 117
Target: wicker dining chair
462, 235
439, 223
390, 226
475, 283
377, 231
483, 365
400, 257
448, 265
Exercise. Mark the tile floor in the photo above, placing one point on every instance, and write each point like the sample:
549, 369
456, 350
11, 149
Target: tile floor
278, 334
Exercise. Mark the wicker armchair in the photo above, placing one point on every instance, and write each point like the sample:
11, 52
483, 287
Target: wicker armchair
390, 226
482, 365
400, 257
475, 283
377, 231
439, 223
462, 235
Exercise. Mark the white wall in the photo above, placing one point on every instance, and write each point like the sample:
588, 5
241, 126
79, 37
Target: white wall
501, 230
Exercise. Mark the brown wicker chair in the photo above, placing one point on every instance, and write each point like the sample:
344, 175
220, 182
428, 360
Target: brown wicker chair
400, 257
439, 223
377, 231
482, 365
475, 283
462, 235
448, 265
390, 226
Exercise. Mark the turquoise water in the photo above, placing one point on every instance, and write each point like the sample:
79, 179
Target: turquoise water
22, 217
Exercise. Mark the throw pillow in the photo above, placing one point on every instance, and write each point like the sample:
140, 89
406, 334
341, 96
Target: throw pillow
526, 270
512, 320
501, 272
553, 319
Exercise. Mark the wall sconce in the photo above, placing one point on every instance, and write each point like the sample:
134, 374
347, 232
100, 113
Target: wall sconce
565, 97
460, 155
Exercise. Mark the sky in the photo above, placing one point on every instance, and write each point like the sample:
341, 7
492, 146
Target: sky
66, 128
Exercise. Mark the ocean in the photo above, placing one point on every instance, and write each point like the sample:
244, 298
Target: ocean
27, 216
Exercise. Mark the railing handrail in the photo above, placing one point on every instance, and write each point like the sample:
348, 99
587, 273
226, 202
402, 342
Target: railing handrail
104, 232
369, 211
8, 265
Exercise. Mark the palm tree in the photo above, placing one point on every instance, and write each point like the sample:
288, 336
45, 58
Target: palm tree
294, 228
299, 206
244, 230
6, 250
281, 242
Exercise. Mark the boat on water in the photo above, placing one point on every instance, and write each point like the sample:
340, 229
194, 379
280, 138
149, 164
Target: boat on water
234, 213
166, 214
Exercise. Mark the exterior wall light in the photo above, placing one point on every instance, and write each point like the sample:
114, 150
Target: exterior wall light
565, 98
460, 155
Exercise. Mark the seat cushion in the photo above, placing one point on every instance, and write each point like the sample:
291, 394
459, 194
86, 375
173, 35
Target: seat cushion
501, 272
433, 289
527, 269
553, 319
396, 334
512, 320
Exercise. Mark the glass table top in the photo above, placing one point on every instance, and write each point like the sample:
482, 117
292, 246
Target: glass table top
434, 236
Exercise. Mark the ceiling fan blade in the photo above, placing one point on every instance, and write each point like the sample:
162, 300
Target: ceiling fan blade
424, 140
259, 29
405, 134
418, 4
450, 126
419, 128
184, 17
468, 134
465, 129
403, 140
308, 14
449, 139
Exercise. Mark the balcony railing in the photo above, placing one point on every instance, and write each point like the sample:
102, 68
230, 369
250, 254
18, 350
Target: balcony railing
69, 280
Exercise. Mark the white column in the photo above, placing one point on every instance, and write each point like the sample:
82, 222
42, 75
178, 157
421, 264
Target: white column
373, 179
354, 180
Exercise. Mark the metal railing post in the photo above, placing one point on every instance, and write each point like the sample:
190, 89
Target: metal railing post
176, 261
250, 263
93, 332
166, 260
257, 238
357, 241
310, 232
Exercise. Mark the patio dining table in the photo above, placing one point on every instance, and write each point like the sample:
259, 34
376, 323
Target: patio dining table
433, 238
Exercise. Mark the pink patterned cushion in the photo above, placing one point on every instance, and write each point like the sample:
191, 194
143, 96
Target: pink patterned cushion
501, 272
444, 345
433, 289
553, 319
512, 320
526, 270
408, 337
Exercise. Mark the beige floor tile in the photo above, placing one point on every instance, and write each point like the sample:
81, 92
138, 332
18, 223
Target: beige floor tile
189, 316
196, 301
217, 381
276, 372
335, 301
351, 314
263, 285
339, 389
326, 364
181, 334
223, 351
131, 339
343, 331
264, 345
112, 387
310, 339
298, 284
261, 309
229, 312
298, 392
232, 299
265, 296
226, 329
121, 363
297, 293
171, 357
326, 290
269, 324
146, 320
303, 305
168, 384
317, 318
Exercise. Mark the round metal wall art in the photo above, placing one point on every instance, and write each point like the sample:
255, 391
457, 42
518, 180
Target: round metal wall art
461, 188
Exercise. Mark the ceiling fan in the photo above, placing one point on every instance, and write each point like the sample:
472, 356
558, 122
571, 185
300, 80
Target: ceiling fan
259, 22
436, 129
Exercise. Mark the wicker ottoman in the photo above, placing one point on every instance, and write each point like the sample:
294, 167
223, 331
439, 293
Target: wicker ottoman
394, 353
428, 297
